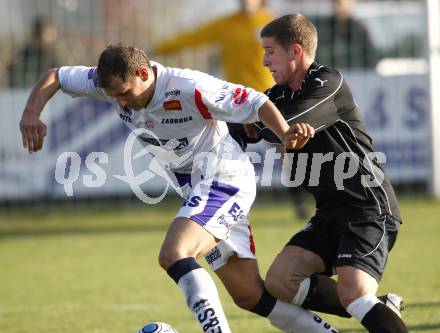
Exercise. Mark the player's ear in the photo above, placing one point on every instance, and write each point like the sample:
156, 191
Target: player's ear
296, 51
291, 52
142, 72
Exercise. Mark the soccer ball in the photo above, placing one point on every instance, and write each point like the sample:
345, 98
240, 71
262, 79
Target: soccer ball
157, 327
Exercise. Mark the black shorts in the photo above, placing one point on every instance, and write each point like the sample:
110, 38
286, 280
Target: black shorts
363, 243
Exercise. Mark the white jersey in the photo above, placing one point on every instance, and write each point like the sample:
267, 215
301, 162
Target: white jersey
186, 115
185, 119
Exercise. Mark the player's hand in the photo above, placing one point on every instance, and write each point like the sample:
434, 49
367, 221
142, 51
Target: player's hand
298, 135
33, 131
251, 132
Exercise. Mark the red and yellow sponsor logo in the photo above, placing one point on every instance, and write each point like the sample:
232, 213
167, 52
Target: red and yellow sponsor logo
173, 105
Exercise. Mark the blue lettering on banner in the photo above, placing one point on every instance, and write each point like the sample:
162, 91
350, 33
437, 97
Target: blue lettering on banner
74, 120
416, 114
377, 117
404, 154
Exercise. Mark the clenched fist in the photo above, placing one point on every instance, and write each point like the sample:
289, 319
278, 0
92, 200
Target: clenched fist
298, 135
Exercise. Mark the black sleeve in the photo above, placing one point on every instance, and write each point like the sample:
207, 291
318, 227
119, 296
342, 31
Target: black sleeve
314, 103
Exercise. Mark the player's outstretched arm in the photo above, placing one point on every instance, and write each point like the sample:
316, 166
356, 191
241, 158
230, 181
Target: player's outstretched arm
292, 138
272, 118
33, 130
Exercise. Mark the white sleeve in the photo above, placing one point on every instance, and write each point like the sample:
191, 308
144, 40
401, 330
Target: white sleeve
221, 100
78, 81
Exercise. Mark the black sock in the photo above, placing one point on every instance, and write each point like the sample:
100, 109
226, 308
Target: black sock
380, 319
265, 305
323, 297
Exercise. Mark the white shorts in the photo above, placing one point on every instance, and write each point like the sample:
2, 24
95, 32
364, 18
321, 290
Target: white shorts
240, 242
222, 209
221, 205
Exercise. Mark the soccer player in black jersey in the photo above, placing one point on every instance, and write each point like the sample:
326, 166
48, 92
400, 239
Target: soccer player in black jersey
357, 216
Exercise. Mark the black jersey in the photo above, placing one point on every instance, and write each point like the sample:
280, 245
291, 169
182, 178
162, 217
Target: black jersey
325, 101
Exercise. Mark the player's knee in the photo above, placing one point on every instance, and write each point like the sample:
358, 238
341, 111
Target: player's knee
246, 301
170, 254
273, 286
167, 257
164, 260
345, 300
347, 295
354, 283
283, 287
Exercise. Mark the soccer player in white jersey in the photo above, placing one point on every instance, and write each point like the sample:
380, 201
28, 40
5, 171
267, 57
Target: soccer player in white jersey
184, 112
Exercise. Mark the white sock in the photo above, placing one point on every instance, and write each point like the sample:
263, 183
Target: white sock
202, 299
361, 306
292, 318
302, 292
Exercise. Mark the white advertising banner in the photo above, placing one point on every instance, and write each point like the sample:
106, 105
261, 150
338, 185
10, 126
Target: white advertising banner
395, 110
82, 154
84, 149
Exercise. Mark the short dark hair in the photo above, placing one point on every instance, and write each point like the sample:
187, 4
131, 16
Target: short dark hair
120, 61
293, 28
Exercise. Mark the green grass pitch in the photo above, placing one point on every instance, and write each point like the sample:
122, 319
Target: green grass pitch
79, 270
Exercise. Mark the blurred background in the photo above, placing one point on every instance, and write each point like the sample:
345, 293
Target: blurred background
78, 249
381, 47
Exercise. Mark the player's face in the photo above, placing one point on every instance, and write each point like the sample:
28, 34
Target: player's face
130, 93
251, 6
279, 61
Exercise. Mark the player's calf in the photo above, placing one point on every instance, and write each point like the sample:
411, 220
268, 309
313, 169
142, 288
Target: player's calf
241, 278
286, 279
200, 294
282, 288
289, 317
322, 296
376, 316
